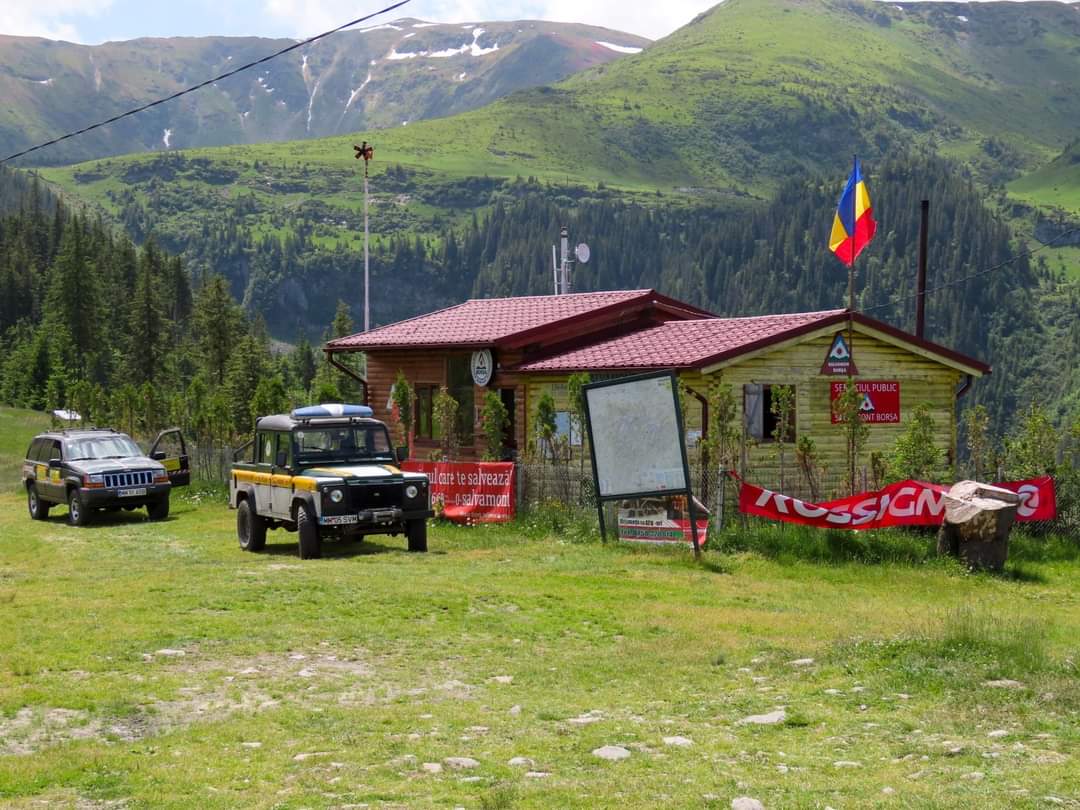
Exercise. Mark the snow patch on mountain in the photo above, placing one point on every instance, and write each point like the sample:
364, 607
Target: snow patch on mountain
382, 27
425, 25
618, 48
394, 56
461, 77
167, 138
46, 82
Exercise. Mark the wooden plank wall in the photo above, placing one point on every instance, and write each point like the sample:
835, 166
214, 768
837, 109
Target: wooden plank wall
921, 381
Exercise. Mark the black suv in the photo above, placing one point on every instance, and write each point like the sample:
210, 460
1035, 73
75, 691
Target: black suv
100, 468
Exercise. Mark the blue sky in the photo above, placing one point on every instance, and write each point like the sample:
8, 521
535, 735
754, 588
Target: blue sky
95, 21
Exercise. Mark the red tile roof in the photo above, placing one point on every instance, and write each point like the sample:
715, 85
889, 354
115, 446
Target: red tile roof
700, 343
489, 321
678, 344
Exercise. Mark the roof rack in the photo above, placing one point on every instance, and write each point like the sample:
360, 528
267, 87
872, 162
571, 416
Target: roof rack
91, 429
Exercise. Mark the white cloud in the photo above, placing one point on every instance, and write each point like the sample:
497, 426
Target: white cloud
49, 18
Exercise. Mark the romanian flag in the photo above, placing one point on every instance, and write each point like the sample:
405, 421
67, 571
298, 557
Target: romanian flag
854, 225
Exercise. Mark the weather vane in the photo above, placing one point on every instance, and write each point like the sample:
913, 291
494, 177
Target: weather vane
365, 151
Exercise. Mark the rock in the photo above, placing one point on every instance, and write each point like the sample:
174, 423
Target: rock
249, 671
974, 776
168, 653
746, 803
678, 742
537, 774
503, 679
306, 673
888, 791
770, 719
521, 762
472, 779
833, 692
515, 711
801, 662
846, 763
1004, 683
612, 753
997, 734
461, 763
251, 745
584, 719
307, 756
431, 767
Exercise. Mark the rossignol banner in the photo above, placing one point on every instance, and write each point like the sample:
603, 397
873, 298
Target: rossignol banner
907, 503
470, 492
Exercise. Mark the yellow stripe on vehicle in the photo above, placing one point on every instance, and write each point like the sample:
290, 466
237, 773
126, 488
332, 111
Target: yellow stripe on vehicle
249, 477
281, 481
306, 484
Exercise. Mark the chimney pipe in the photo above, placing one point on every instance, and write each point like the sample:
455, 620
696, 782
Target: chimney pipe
920, 286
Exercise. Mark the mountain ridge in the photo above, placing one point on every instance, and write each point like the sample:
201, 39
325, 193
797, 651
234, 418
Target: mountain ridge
353, 80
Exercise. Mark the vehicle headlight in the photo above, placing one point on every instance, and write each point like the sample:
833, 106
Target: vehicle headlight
337, 496
411, 491
95, 479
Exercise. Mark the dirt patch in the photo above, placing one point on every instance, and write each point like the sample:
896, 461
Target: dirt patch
219, 688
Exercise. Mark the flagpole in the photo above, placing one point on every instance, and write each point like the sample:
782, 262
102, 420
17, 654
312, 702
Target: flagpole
851, 304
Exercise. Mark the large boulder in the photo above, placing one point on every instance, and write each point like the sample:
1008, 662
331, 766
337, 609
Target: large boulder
978, 518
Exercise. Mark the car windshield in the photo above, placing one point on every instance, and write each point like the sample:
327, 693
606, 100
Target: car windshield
102, 447
352, 443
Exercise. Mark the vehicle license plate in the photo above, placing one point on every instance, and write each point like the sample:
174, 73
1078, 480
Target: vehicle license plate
339, 520
131, 493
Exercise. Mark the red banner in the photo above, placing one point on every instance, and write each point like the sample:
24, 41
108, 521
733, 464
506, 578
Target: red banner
907, 503
470, 492
880, 402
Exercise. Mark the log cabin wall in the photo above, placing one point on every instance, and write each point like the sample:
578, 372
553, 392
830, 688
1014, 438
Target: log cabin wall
429, 367
923, 380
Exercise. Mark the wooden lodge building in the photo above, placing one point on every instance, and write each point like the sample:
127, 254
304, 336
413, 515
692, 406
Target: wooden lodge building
522, 347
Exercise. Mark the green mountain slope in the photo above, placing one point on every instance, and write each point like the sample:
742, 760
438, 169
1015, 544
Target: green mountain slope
384, 76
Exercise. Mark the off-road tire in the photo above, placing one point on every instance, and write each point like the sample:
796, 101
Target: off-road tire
416, 531
39, 510
78, 514
307, 531
159, 509
250, 528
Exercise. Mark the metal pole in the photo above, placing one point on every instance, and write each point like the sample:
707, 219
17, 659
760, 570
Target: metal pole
367, 310
851, 308
920, 286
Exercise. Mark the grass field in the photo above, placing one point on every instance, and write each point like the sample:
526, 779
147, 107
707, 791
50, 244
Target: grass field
156, 665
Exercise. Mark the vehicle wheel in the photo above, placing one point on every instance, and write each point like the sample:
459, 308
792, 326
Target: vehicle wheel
39, 510
308, 531
250, 528
159, 509
417, 532
78, 514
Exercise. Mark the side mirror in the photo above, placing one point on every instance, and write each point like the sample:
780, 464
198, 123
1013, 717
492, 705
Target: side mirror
282, 458
402, 454
159, 455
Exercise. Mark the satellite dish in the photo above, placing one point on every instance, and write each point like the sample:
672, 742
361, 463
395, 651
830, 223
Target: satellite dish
582, 253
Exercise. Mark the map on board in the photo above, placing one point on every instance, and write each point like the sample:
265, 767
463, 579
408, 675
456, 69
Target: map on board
636, 439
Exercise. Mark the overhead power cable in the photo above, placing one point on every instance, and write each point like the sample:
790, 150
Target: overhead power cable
982, 272
201, 85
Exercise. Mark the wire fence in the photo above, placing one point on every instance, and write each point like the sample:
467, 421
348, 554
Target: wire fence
571, 485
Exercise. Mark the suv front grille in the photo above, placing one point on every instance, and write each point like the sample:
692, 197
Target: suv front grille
375, 496
139, 478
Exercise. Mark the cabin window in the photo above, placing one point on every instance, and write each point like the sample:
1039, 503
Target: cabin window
424, 422
460, 386
760, 406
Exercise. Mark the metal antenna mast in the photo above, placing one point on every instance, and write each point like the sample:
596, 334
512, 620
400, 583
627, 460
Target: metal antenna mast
367, 152
564, 266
